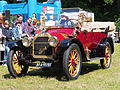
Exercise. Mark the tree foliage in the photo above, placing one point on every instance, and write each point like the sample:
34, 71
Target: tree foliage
117, 23
108, 1
105, 10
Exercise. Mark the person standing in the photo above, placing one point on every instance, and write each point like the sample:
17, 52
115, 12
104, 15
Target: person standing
7, 35
28, 27
1, 35
2, 46
37, 27
7, 31
17, 31
1, 20
19, 19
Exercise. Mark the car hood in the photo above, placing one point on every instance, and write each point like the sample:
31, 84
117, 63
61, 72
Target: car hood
61, 33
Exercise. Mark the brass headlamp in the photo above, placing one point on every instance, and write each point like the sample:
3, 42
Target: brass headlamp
26, 42
53, 41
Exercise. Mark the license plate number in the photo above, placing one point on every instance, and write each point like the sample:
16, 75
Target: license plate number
43, 64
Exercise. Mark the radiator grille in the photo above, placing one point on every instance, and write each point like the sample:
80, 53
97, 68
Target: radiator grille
42, 39
42, 47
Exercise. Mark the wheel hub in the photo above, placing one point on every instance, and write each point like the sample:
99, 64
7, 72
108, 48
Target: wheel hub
107, 55
73, 62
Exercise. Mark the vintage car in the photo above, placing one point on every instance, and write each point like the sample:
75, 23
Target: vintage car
69, 45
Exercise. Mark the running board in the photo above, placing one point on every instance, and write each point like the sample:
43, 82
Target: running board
92, 59
40, 64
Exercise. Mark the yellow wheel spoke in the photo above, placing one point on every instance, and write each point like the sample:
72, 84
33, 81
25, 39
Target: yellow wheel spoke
75, 72
73, 52
20, 68
107, 51
76, 67
73, 69
70, 69
15, 57
76, 59
72, 56
16, 67
14, 62
75, 55
70, 64
76, 62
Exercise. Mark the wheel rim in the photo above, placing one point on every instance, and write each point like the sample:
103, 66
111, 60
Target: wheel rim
16, 63
107, 56
74, 61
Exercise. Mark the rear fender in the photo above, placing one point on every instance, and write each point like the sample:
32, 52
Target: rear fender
110, 41
100, 51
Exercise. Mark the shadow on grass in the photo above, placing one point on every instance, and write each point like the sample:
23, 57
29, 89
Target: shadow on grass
89, 67
8, 76
57, 72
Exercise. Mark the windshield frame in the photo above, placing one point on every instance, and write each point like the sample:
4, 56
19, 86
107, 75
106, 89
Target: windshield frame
60, 26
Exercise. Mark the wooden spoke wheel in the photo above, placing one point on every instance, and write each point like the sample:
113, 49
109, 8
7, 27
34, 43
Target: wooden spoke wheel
105, 63
16, 65
72, 62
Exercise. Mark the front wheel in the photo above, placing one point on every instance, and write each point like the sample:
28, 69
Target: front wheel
72, 62
105, 63
15, 63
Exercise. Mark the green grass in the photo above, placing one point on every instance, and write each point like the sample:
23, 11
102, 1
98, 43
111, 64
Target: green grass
91, 78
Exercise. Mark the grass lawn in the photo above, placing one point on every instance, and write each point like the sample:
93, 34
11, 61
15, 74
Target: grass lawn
91, 78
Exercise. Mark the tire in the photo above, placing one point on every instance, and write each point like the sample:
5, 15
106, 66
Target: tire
72, 60
106, 62
16, 67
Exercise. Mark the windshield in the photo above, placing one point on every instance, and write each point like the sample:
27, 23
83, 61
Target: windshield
68, 17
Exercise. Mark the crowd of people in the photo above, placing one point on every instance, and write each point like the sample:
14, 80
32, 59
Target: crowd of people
16, 31
20, 29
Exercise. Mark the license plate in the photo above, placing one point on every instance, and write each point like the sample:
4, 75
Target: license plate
43, 64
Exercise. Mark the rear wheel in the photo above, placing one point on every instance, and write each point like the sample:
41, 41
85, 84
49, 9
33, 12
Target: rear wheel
15, 63
72, 62
105, 63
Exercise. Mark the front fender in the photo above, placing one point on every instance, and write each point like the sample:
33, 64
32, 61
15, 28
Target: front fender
64, 45
67, 42
15, 44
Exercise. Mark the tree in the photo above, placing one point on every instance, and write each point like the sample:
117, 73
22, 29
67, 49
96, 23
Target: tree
118, 6
109, 1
